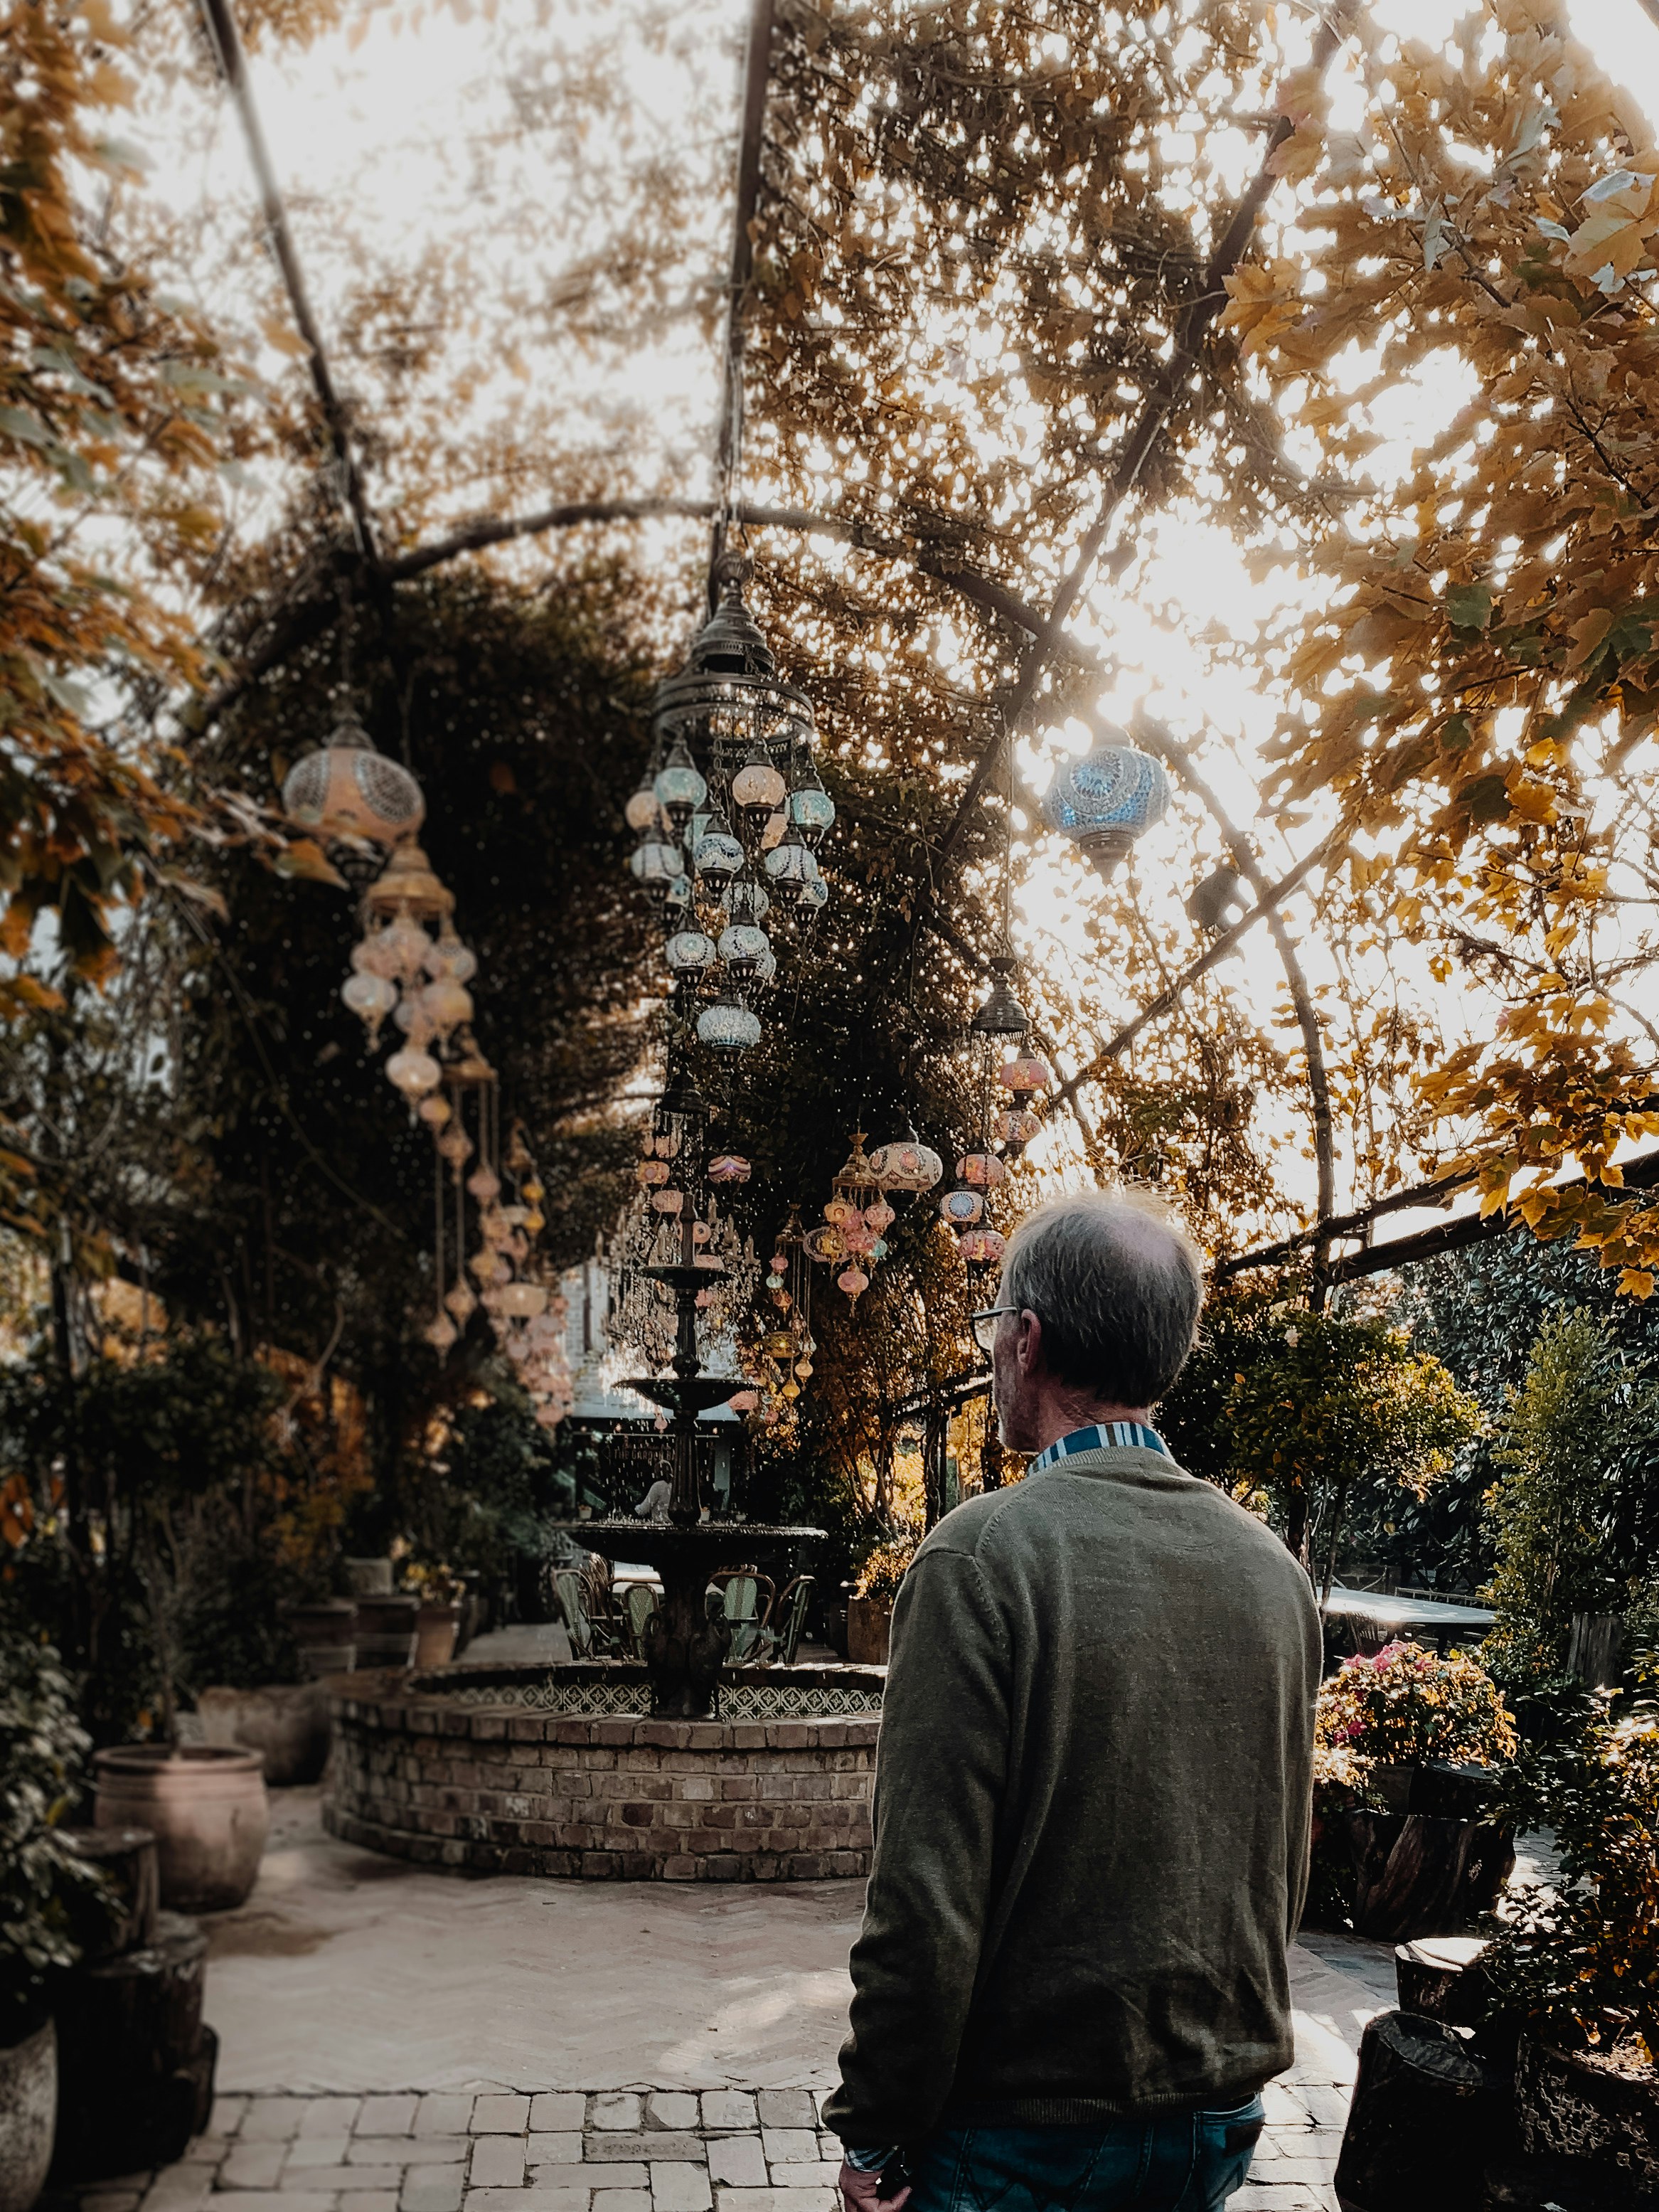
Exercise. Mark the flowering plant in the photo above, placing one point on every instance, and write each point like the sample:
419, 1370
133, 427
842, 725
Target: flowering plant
434, 1583
1407, 1706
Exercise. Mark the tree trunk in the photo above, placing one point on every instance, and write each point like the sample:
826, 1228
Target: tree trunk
1425, 2119
933, 1465
135, 2062
1413, 1875
991, 1457
127, 1859
1596, 1649
1339, 1506
1440, 1976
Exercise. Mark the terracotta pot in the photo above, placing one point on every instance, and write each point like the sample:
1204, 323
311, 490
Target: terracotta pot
436, 1627
287, 1721
869, 1621
369, 1578
206, 1808
324, 1633
386, 1630
1567, 2107
29, 2117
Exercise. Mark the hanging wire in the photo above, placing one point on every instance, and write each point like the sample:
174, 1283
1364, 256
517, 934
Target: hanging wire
347, 627
438, 1213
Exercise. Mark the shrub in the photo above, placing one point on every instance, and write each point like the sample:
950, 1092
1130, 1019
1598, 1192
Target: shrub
1580, 1961
1581, 1419
1407, 1706
884, 1569
42, 1747
1315, 1411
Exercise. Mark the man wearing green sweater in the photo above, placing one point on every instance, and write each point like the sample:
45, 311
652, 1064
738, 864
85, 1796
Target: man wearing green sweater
1093, 1786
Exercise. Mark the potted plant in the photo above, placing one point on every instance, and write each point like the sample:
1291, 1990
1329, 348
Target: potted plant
42, 1746
870, 1609
1410, 1750
176, 1444
1576, 1965
440, 1596
234, 1641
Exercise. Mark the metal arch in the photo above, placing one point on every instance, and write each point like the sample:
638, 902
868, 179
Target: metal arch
1163, 741
758, 77
1137, 448
226, 41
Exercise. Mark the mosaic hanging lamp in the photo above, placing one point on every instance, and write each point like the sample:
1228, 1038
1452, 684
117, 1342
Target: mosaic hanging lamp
347, 789
1104, 801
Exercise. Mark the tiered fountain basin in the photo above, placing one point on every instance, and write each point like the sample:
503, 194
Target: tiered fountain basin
559, 1771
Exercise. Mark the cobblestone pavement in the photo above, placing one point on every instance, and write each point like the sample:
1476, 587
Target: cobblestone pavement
400, 2041
663, 2150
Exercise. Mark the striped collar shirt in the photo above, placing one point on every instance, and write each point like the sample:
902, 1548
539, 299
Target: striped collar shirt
1100, 1435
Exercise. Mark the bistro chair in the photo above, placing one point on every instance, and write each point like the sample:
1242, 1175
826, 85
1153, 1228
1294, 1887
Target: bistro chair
747, 1610
639, 1611
782, 1642
589, 1639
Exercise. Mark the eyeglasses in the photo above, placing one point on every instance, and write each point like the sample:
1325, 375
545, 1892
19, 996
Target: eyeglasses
984, 1325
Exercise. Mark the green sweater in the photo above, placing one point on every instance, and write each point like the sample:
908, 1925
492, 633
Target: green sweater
1092, 1799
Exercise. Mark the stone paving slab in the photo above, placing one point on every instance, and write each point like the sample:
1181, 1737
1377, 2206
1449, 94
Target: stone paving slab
290, 2154
396, 2041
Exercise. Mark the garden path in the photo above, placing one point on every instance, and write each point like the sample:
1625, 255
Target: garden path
394, 2040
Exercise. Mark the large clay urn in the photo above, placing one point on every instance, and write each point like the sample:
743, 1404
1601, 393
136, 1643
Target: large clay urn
206, 1806
28, 2116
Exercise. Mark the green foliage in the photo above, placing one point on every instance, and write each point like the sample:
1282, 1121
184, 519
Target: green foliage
1482, 1310
483, 1499
1407, 1706
1581, 1414
1580, 1960
42, 1747
1306, 1407
228, 1630
152, 1493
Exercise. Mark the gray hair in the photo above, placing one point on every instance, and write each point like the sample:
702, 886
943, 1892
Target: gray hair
1117, 1282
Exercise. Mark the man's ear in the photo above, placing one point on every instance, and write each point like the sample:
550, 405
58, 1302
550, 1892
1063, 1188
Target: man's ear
1029, 1350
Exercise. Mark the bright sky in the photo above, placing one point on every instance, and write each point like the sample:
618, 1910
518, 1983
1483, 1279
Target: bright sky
420, 133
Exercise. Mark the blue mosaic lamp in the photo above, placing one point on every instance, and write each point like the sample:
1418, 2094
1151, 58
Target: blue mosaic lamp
1103, 801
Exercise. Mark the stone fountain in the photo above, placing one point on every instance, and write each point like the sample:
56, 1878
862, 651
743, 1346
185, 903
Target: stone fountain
687, 1640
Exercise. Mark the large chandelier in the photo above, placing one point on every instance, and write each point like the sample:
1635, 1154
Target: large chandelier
729, 816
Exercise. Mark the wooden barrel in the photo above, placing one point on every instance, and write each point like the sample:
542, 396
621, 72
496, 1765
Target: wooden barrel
324, 1633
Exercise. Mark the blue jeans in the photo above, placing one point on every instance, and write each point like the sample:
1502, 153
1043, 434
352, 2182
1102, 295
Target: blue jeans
1188, 2162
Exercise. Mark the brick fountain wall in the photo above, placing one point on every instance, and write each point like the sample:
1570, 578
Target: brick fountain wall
606, 1797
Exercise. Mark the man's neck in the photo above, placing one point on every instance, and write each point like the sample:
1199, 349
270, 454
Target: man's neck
1060, 1417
